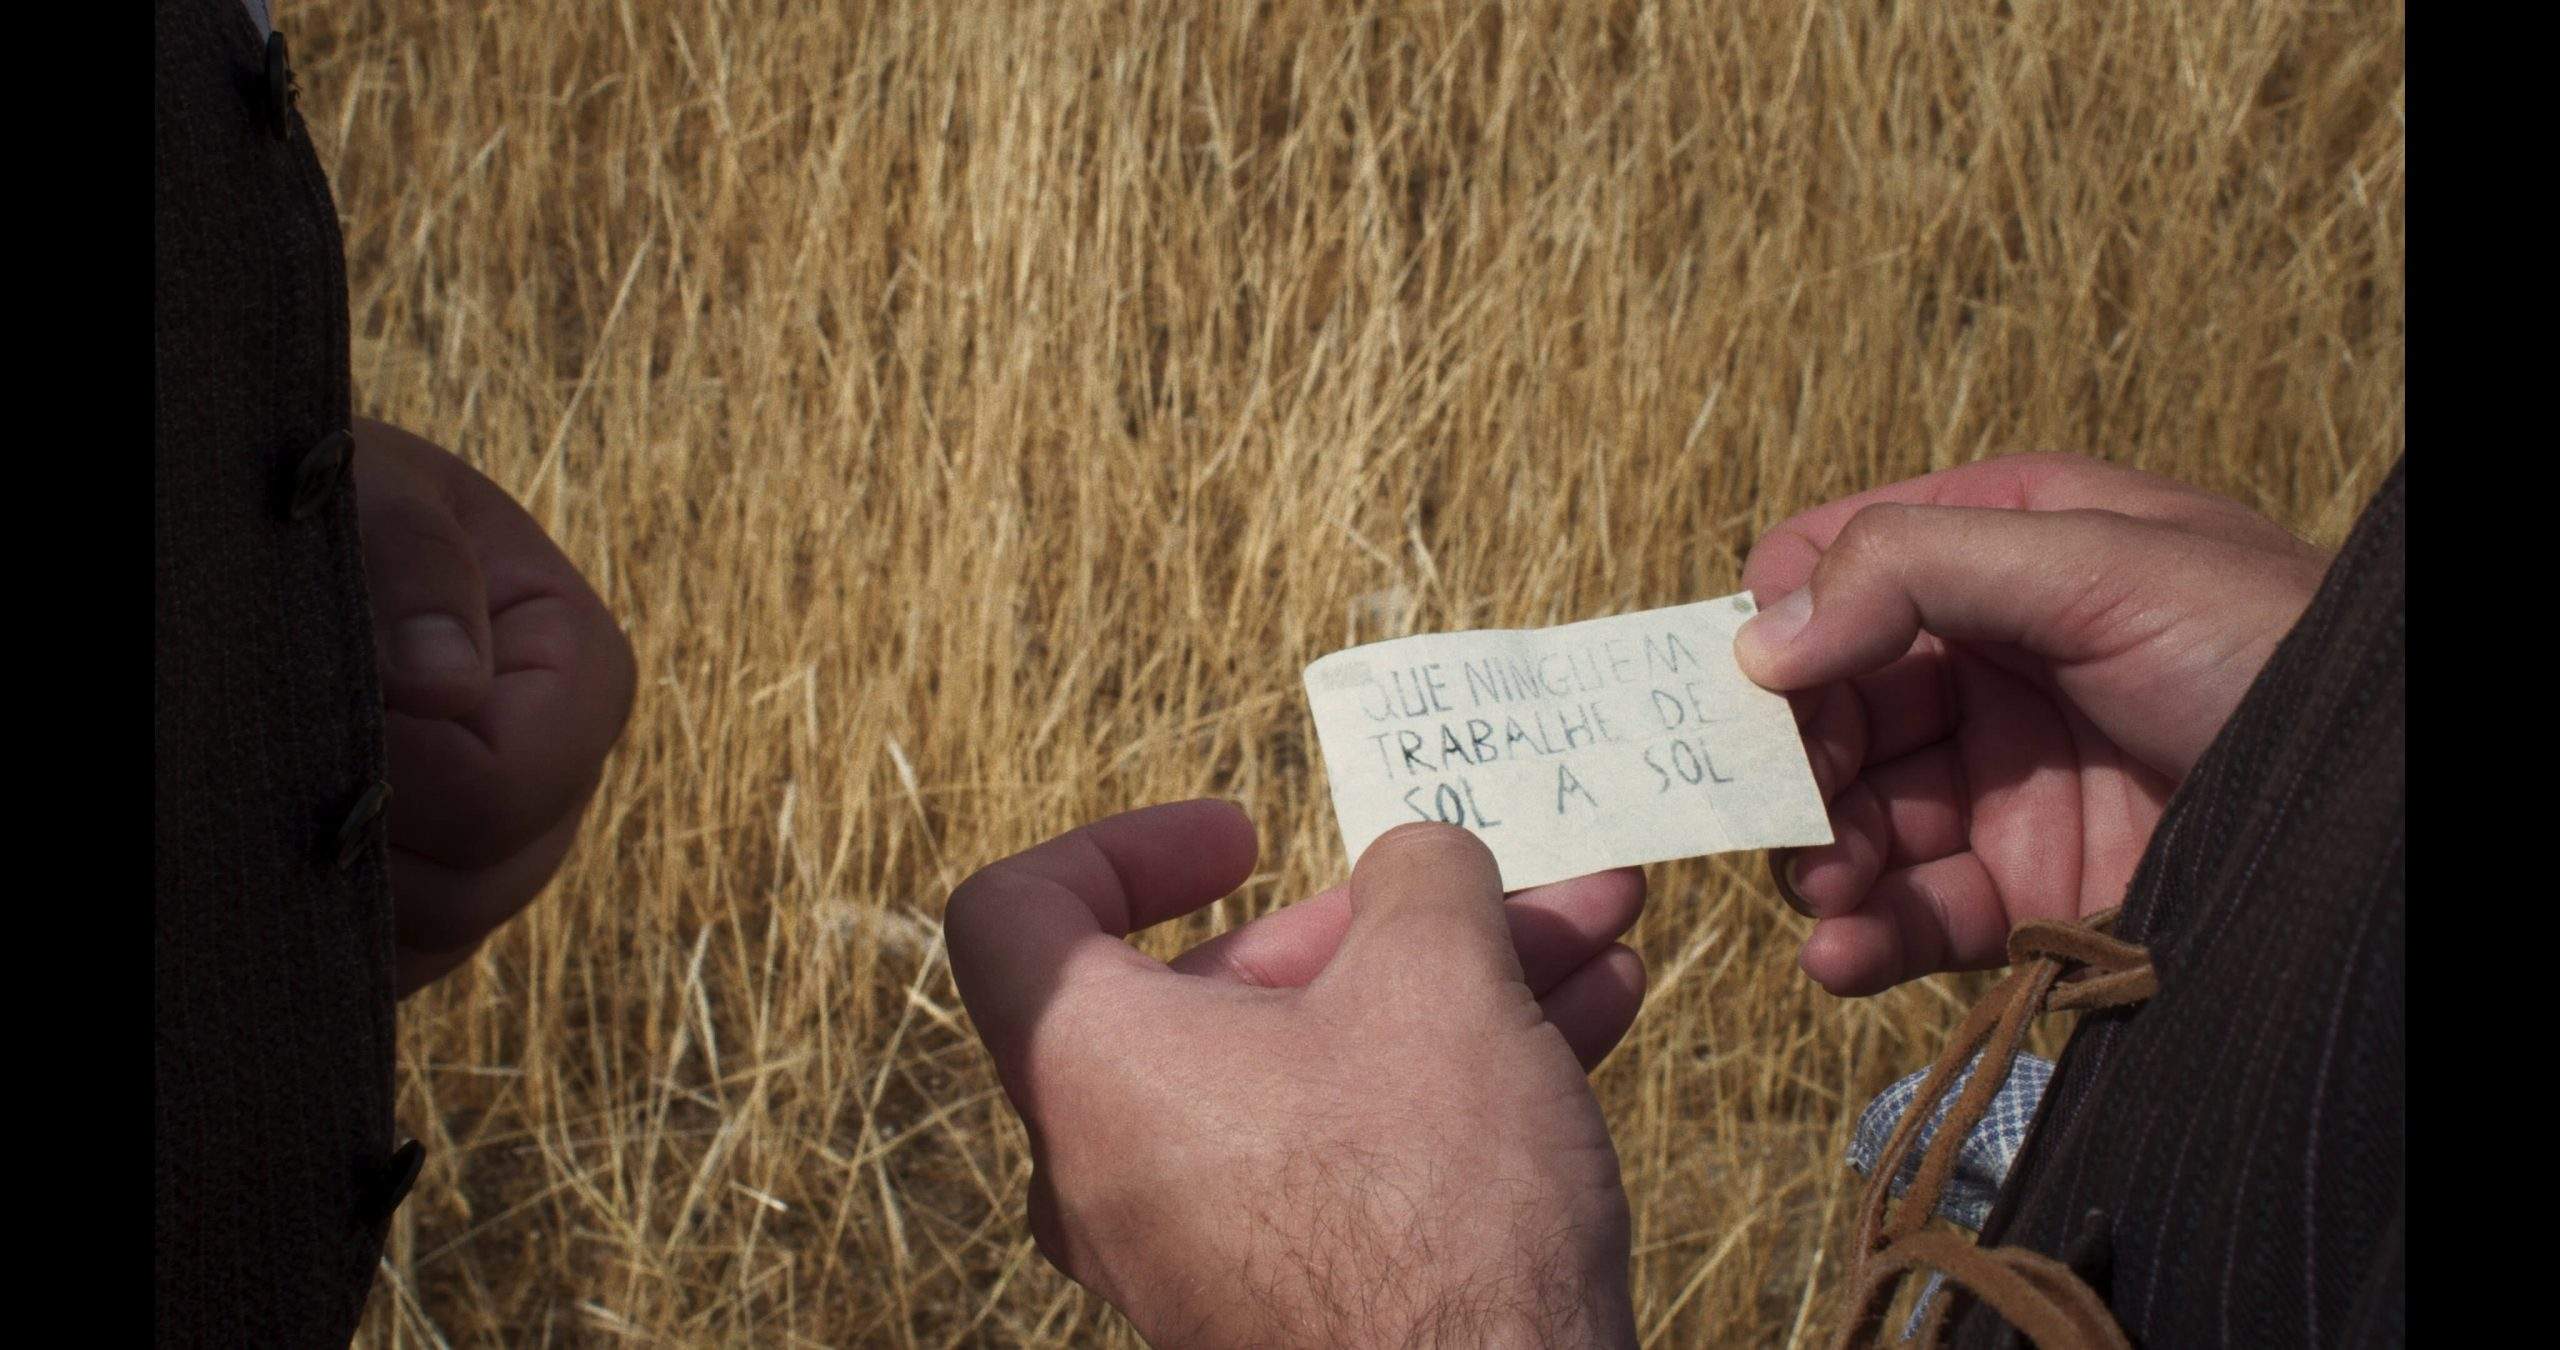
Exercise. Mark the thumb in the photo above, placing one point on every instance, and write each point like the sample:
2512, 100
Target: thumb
430, 601
1426, 909
2066, 586
2151, 630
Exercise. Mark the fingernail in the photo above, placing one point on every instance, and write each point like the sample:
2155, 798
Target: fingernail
428, 646
1776, 626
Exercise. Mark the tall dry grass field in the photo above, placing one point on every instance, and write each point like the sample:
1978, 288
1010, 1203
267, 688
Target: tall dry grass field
978, 414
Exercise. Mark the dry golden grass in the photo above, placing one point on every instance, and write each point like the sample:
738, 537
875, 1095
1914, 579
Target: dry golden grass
978, 413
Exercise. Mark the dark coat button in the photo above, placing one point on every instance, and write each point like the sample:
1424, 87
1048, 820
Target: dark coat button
359, 827
279, 88
317, 472
393, 1179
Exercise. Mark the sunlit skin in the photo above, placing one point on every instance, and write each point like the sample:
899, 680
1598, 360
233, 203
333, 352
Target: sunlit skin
1388, 1078
2007, 669
1365, 1115
504, 682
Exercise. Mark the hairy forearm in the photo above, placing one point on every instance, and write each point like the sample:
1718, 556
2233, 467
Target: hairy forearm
1386, 1271
1535, 1312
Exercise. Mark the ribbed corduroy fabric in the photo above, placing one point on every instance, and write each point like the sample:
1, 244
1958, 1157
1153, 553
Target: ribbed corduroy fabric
272, 1000
2226, 1162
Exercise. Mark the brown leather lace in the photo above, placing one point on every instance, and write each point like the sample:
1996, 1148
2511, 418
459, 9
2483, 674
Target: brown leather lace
2038, 1295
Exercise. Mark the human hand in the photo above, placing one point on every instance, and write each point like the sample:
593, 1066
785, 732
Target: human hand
1359, 1120
2002, 671
504, 682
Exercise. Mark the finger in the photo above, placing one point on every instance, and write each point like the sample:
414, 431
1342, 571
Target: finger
474, 785
1555, 929
1021, 930
1850, 724
1783, 560
2025, 793
1558, 929
1942, 915
438, 908
1910, 810
468, 801
1927, 804
2052, 583
1908, 704
1426, 914
1833, 878
571, 665
1281, 950
1833, 723
430, 601
1595, 1004
474, 789
412, 971
1781, 863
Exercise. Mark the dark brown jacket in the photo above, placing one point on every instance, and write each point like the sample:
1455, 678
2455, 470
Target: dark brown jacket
2227, 1162
272, 1005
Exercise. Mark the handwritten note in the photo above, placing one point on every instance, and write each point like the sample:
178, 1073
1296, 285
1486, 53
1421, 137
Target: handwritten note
1568, 750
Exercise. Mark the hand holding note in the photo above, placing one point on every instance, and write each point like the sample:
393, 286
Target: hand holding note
1366, 1111
2002, 671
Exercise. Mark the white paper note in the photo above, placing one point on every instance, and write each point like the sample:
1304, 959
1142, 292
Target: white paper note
1568, 750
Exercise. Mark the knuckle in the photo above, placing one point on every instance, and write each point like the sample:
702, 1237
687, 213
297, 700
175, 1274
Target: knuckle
970, 900
1868, 543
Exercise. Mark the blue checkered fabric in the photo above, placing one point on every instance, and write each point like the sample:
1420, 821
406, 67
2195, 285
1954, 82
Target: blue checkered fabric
1982, 1162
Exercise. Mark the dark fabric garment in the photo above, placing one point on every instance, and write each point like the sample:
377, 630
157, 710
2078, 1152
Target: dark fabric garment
272, 1001
2241, 1136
